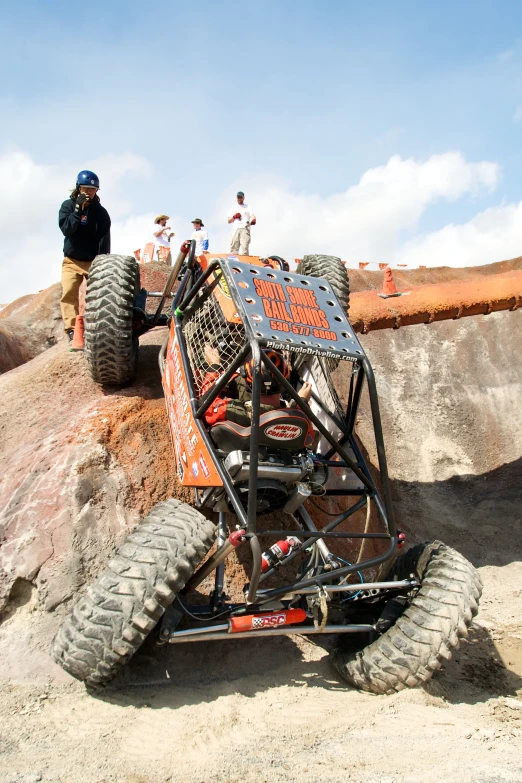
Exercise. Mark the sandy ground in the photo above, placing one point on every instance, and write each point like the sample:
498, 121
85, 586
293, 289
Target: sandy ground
272, 711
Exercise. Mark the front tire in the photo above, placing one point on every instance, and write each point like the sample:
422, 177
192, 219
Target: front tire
117, 613
437, 618
111, 344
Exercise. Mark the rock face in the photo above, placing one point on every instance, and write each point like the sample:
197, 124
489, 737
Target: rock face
450, 396
29, 326
82, 467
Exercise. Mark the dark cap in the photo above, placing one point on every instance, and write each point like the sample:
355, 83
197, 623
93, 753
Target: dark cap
198, 220
240, 193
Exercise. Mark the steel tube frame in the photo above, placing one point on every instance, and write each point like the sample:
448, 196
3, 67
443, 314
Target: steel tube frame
169, 285
353, 588
248, 518
325, 530
182, 306
220, 570
204, 635
214, 391
214, 560
315, 421
327, 410
321, 533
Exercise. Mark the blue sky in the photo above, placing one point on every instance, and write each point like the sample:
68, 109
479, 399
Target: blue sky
301, 96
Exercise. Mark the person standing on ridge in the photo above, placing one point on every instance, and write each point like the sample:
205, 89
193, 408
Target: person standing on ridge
86, 226
162, 233
242, 216
200, 235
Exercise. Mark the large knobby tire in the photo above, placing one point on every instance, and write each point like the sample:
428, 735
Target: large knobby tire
430, 628
111, 344
331, 269
116, 614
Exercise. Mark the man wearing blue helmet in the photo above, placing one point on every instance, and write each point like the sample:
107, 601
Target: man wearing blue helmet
86, 226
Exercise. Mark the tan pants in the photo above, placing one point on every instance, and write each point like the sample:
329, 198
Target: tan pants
73, 273
240, 241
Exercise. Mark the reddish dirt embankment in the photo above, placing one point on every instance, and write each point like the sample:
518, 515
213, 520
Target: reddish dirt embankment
29, 326
436, 302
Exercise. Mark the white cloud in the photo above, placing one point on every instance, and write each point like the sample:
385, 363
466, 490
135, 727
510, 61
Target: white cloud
492, 235
367, 222
517, 116
364, 223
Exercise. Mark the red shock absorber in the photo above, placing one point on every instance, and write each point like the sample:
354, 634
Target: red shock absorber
278, 552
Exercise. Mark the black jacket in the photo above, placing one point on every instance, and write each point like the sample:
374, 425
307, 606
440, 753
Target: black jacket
87, 234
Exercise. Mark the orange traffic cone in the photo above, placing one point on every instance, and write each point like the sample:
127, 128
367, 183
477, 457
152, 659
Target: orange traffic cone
78, 343
389, 288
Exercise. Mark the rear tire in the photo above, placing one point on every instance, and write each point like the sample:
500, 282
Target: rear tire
116, 614
431, 627
111, 344
332, 269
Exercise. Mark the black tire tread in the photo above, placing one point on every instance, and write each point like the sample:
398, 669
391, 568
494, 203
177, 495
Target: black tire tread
428, 631
112, 619
111, 347
332, 269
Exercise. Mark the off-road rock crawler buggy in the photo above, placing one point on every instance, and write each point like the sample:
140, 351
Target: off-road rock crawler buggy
395, 618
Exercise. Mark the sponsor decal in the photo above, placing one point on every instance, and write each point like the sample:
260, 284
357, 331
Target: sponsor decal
311, 351
203, 465
195, 469
283, 431
223, 283
269, 621
83, 221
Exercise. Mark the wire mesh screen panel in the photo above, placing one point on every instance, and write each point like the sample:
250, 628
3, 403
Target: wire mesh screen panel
213, 343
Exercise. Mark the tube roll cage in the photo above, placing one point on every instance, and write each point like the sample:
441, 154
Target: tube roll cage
247, 518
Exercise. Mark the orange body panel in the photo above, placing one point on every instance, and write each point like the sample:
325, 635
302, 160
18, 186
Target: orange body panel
222, 293
193, 461
206, 259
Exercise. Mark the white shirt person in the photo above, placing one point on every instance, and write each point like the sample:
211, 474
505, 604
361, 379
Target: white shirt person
241, 217
200, 235
161, 233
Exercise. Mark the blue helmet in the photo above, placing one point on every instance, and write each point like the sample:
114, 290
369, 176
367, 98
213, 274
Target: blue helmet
88, 179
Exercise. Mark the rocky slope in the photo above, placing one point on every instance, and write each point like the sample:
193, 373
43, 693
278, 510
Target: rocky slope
29, 326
